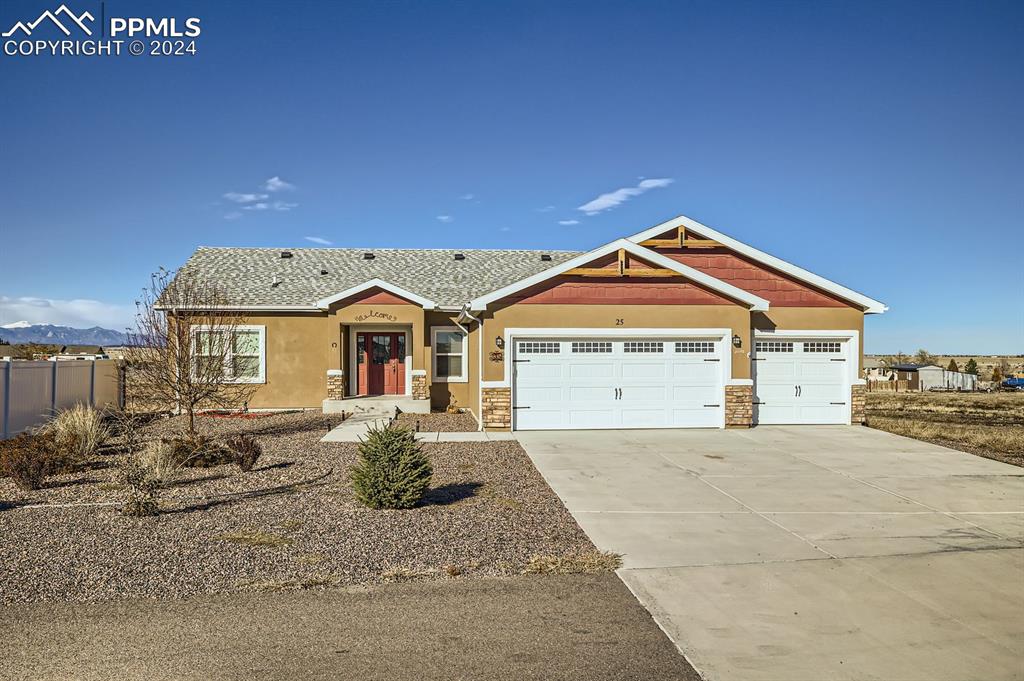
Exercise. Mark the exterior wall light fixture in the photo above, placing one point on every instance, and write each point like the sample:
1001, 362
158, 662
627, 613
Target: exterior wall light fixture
737, 342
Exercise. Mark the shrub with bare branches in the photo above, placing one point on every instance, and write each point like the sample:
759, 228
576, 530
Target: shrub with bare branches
188, 350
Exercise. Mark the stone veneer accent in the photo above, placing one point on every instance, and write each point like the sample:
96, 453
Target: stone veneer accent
739, 406
420, 389
857, 393
335, 384
497, 408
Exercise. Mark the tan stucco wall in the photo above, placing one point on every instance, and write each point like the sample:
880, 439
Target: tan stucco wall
733, 317
298, 349
465, 395
812, 319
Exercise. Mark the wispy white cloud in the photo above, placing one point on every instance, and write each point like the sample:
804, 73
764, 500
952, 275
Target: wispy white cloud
275, 205
504, 229
614, 198
568, 222
445, 218
276, 184
233, 215
468, 197
244, 198
545, 209
80, 312
319, 240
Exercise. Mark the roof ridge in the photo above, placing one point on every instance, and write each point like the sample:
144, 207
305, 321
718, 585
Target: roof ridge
385, 248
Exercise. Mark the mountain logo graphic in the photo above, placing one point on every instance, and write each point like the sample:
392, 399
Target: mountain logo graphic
53, 17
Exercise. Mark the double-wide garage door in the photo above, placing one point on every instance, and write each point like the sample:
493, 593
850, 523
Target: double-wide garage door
576, 383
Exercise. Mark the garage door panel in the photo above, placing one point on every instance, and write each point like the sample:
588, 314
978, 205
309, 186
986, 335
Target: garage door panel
533, 370
632, 369
529, 419
696, 394
819, 414
644, 393
645, 418
592, 418
698, 372
825, 392
535, 394
696, 417
595, 370
832, 371
595, 393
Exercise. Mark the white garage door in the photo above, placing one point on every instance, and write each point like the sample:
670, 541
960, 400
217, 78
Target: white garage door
574, 383
800, 381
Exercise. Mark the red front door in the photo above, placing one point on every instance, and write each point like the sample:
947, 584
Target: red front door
381, 363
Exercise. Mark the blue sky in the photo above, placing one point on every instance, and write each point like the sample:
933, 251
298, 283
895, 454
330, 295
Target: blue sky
877, 144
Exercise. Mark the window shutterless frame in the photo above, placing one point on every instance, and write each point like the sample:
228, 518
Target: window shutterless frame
260, 352
463, 354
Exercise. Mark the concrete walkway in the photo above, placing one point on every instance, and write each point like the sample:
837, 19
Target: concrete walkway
354, 430
813, 552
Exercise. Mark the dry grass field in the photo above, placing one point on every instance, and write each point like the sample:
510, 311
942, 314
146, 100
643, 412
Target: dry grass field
986, 424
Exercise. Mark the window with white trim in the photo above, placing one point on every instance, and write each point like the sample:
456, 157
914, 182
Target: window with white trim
643, 346
773, 346
539, 347
449, 348
242, 350
695, 346
823, 346
584, 347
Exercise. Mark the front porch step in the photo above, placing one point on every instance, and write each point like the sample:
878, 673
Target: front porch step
378, 405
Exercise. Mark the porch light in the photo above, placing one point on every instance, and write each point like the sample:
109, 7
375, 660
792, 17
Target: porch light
499, 341
737, 341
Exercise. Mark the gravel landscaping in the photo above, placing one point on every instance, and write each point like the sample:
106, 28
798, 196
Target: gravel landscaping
292, 522
439, 422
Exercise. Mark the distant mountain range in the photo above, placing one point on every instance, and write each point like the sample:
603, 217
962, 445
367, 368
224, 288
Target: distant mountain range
50, 334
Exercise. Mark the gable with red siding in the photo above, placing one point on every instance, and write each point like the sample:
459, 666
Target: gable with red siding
778, 289
617, 291
374, 296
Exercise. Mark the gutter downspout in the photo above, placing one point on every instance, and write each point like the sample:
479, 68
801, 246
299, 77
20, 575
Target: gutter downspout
479, 360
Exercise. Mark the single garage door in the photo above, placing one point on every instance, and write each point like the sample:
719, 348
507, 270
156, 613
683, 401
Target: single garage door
800, 381
576, 383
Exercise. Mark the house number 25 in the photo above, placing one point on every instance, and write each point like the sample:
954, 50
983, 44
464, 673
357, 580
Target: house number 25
619, 322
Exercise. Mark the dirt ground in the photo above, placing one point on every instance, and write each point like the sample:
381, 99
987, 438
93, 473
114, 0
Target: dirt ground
986, 424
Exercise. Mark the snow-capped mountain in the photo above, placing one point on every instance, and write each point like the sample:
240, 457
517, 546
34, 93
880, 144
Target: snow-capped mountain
24, 332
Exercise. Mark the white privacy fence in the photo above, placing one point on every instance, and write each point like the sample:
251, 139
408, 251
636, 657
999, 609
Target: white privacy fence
31, 392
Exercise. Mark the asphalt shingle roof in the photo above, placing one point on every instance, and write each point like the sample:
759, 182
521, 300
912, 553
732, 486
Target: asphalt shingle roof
247, 273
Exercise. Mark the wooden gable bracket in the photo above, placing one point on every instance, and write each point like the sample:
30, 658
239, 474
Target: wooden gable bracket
680, 241
623, 270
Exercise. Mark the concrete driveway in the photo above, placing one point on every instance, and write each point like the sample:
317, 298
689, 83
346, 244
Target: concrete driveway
811, 552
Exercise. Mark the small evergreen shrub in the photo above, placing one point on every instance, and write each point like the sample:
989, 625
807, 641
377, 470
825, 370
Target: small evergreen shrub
245, 450
392, 471
139, 486
78, 432
27, 459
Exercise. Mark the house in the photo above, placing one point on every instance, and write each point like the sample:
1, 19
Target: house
932, 377
676, 326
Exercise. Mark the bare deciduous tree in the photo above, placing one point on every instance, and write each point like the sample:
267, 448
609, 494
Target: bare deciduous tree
188, 350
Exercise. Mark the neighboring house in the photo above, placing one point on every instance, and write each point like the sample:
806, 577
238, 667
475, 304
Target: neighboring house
875, 369
676, 326
929, 377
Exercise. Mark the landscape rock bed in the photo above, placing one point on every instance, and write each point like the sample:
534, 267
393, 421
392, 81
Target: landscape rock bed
439, 422
295, 523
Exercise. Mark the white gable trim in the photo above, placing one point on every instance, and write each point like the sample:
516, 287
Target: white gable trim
870, 305
717, 285
427, 304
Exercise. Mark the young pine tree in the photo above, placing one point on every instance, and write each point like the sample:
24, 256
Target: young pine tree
393, 471
971, 367
952, 366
